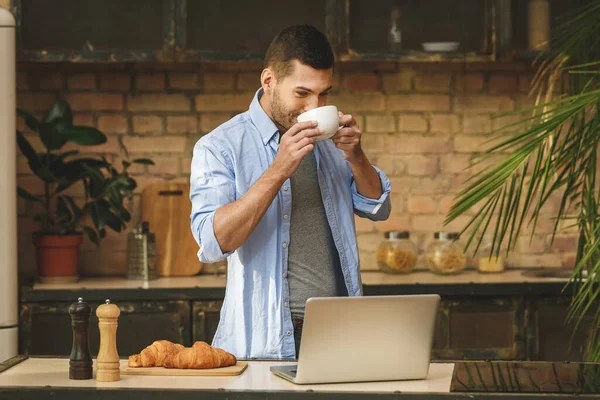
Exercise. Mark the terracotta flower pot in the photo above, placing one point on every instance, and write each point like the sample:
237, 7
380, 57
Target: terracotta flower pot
57, 256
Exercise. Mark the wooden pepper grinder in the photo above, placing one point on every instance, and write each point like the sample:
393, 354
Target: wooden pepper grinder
107, 363
80, 363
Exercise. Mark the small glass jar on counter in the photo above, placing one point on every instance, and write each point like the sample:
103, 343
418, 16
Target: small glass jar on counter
485, 262
444, 255
396, 254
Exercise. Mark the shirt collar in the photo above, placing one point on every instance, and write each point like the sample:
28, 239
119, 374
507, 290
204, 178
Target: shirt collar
266, 127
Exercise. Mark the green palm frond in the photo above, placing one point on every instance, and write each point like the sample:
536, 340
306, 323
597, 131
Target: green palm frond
550, 152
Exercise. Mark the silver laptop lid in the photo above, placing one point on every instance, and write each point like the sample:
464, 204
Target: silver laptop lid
367, 338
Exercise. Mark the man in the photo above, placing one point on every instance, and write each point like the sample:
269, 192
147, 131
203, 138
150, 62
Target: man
280, 205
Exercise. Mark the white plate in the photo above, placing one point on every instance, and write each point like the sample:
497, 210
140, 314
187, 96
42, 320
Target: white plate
440, 46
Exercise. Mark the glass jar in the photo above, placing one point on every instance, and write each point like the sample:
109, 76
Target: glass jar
485, 261
444, 255
396, 254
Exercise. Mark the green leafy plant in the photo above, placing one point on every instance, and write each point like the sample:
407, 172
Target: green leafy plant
550, 151
105, 187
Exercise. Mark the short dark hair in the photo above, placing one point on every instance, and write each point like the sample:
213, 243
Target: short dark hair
304, 43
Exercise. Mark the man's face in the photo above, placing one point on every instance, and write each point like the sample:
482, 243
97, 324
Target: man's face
304, 89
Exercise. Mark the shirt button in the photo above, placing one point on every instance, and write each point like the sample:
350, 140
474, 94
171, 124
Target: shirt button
284, 245
286, 216
284, 275
289, 333
286, 305
285, 188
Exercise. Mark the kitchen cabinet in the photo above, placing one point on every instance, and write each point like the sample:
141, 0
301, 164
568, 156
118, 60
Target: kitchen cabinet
184, 30
91, 30
45, 328
205, 319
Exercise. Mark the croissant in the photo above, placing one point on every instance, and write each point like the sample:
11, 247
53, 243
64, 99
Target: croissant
155, 354
200, 356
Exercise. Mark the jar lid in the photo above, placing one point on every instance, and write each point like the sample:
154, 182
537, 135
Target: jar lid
446, 235
397, 235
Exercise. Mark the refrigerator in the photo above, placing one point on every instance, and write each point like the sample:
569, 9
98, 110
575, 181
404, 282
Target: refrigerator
8, 189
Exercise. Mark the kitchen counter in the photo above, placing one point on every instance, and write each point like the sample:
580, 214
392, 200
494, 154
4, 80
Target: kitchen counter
37, 378
211, 287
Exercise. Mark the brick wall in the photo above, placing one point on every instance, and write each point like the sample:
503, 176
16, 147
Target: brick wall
421, 125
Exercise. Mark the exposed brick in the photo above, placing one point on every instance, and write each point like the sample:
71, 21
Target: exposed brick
220, 82
445, 204
51, 81
95, 101
422, 165
528, 245
5, 3
564, 243
186, 81
350, 102
397, 202
412, 123
433, 82
134, 168
159, 102
470, 143
223, 102
113, 124
248, 81
393, 223
182, 124
32, 102
361, 82
501, 84
399, 82
115, 82
147, 124
444, 123
417, 144
150, 81
483, 103
454, 163
157, 144
506, 120
110, 147
186, 165
477, 124
525, 83
469, 83
421, 205
363, 225
84, 120
419, 102
372, 143
539, 260
209, 121
82, 82
381, 123
422, 185
165, 165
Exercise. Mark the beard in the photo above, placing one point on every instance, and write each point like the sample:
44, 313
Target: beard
283, 118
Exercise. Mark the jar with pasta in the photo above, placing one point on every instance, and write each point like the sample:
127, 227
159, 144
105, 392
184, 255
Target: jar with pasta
444, 255
396, 254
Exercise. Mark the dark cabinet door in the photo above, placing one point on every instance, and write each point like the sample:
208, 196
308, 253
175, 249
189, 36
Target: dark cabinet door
480, 329
205, 319
551, 337
45, 328
90, 30
231, 30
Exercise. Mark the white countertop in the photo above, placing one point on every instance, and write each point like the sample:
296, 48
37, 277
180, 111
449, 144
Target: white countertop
40, 372
368, 278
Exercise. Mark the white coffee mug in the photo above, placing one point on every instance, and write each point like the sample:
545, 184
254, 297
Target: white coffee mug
327, 119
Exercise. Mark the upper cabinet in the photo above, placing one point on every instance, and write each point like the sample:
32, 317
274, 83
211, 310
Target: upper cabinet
424, 30
234, 29
92, 30
195, 30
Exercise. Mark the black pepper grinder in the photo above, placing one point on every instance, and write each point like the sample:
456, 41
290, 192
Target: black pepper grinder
80, 364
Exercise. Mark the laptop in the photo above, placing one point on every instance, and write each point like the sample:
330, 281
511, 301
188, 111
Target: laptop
364, 339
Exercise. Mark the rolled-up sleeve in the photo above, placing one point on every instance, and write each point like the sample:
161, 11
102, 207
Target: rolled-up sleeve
212, 185
373, 209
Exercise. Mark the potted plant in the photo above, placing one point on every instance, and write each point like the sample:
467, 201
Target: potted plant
63, 219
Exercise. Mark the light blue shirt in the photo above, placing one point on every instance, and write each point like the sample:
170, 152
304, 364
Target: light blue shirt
255, 319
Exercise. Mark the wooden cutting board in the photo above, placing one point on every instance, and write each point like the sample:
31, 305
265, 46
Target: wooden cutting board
167, 208
236, 369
